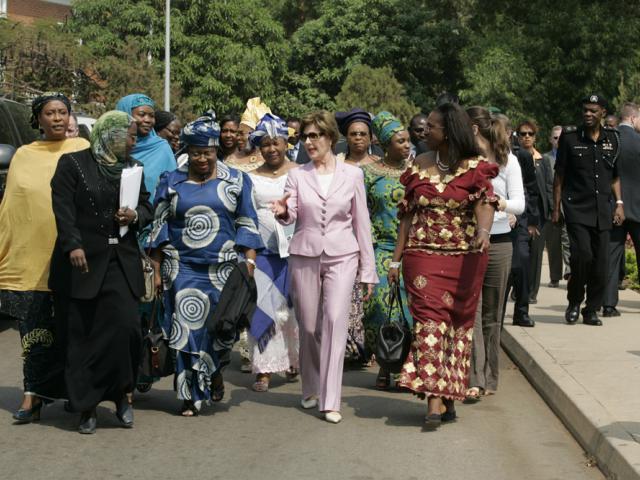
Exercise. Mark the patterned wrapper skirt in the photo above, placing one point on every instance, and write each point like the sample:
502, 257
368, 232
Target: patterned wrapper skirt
443, 293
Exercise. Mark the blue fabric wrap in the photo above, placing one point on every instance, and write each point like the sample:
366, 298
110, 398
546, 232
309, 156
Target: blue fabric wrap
270, 126
276, 268
202, 132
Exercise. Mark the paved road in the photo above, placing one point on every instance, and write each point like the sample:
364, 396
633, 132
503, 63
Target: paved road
512, 435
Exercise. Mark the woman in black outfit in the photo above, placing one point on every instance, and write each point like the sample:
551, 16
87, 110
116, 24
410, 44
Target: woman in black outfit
96, 273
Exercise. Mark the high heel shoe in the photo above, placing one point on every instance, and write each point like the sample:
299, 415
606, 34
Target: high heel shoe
28, 415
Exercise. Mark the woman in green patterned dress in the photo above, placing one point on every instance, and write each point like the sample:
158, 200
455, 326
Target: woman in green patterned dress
384, 191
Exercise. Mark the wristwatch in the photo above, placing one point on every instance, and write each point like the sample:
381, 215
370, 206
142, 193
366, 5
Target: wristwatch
619, 202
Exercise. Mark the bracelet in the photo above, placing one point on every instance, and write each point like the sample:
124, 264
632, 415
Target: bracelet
135, 219
619, 202
485, 231
251, 261
394, 265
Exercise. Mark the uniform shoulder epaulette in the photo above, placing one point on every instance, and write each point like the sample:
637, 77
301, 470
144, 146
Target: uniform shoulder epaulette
569, 129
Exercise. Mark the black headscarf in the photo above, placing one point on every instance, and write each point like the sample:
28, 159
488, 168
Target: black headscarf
39, 103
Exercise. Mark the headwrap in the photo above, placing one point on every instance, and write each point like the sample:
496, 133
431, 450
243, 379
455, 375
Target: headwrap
270, 126
344, 119
385, 126
163, 119
202, 132
135, 100
38, 104
254, 112
109, 141
153, 152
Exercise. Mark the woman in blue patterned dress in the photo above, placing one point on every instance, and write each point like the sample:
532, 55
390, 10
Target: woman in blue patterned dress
384, 192
204, 217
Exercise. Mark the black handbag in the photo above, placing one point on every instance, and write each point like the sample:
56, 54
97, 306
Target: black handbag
394, 336
157, 358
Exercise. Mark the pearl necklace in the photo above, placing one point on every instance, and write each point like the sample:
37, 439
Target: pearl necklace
441, 166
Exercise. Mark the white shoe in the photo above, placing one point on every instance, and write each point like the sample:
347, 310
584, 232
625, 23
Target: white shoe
307, 403
333, 417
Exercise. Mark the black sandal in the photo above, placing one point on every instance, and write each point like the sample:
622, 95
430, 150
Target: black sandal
188, 409
217, 387
383, 380
450, 414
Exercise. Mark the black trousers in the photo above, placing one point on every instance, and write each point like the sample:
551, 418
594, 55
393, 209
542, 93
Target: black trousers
617, 238
520, 265
589, 265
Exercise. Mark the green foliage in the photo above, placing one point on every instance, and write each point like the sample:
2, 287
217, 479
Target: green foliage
631, 269
375, 89
529, 59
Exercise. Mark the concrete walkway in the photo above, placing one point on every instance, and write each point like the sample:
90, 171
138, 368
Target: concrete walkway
590, 376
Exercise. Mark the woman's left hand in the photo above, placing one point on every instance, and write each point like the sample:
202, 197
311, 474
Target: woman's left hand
482, 241
125, 216
368, 288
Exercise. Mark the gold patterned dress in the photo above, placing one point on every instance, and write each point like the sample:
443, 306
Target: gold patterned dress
443, 275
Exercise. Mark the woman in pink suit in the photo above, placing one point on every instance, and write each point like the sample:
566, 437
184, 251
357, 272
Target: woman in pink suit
330, 248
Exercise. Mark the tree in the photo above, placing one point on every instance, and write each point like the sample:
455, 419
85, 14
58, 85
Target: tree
374, 90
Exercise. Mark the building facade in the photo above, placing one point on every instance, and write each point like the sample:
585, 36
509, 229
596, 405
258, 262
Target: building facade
28, 11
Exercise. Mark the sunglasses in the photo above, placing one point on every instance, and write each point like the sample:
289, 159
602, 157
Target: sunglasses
358, 134
526, 134
556, 138
313, 136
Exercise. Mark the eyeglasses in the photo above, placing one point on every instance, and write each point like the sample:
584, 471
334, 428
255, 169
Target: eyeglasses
313, 136
358, 134
526, 134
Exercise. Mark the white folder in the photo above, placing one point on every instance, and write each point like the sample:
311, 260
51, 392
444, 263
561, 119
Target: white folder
130, 191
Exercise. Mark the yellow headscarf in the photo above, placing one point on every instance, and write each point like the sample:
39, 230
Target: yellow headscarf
254, 112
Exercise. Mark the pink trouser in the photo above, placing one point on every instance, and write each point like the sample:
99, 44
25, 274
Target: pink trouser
321, 293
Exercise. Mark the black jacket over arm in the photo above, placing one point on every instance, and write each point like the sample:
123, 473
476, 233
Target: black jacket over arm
531, 215
80, 207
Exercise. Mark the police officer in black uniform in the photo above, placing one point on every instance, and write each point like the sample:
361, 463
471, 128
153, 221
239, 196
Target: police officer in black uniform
585, 181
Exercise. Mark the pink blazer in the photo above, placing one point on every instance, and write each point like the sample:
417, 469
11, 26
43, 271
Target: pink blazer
336, 224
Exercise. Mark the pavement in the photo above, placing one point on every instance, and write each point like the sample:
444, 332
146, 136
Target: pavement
265, 436
589, 376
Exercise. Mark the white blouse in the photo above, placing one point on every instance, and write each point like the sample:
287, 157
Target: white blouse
265, 190
508, 185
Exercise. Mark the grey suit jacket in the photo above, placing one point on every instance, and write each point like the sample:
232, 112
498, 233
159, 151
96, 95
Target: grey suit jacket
629, 170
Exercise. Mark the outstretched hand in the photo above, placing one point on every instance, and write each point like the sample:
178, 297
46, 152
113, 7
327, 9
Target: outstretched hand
279, 207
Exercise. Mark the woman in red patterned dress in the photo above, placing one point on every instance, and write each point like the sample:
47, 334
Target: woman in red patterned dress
443, 240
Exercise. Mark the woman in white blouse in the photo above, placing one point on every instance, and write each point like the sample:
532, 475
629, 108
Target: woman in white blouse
273, 338
492, 138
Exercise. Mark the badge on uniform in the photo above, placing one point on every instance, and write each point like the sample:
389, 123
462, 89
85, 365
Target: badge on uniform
607, 146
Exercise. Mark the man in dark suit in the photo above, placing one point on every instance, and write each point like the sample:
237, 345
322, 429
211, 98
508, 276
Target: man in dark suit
628, 165
527, 226
555, 236
585, 181
544, 179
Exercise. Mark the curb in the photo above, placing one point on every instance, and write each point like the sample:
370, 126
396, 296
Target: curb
615, 450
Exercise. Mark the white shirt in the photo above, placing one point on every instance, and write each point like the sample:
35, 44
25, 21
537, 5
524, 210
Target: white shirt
325, 182
508, 185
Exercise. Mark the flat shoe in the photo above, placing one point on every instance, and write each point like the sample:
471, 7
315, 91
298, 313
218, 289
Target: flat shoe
432, 421
448, 416
308, 403
124, 413
472, 395
88, 422
333, 417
